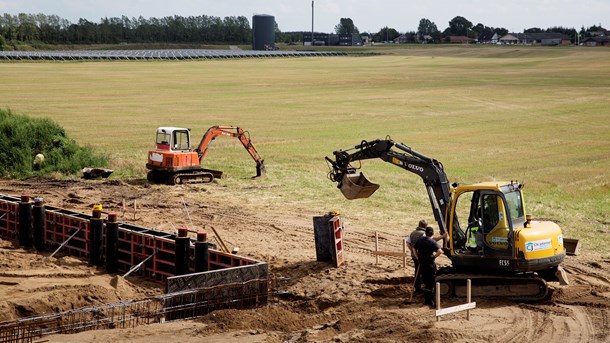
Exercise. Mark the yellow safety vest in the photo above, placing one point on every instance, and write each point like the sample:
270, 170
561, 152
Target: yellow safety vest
472, 242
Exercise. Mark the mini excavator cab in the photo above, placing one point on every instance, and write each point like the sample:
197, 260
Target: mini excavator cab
173, 139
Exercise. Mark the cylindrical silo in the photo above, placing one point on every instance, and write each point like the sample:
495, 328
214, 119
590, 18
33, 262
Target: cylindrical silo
263, 32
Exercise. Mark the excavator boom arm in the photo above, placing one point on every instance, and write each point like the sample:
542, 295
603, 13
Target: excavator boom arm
430, 170
230, 131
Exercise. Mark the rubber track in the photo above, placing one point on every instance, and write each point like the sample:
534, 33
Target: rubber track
190, 178
450, 274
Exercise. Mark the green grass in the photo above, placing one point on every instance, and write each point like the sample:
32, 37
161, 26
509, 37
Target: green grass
539, 115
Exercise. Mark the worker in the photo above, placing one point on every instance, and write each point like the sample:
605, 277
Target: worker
426, 251
415, 235
475, 238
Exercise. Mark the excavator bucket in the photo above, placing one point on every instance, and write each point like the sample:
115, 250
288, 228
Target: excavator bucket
356, 186
572, 246
260, 169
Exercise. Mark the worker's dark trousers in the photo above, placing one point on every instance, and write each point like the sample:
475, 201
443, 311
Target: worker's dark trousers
427, 271
417, 275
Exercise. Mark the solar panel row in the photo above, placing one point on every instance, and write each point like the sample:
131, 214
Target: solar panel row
179, 54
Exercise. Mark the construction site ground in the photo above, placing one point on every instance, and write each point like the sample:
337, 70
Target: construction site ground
360, 301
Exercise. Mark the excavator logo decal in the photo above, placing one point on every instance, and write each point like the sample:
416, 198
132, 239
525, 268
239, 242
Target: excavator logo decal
538, 245
416, 168
411, 166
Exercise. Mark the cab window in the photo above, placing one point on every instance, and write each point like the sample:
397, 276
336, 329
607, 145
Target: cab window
163, 138
491, 215
181, 140
514, 203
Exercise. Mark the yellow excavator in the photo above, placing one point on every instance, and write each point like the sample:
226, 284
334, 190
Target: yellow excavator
491, 240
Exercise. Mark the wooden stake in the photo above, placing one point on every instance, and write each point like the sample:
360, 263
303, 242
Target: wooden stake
404, 251
468, 284
135, 207
222, 244
438, 300
376, 247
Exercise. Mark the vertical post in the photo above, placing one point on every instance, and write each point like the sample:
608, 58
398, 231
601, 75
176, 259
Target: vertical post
38, 224
182, 252
438, 299
404, 251
468, 298
96, 225
376, 248
112, 243
312, 23
25, 221
201, 252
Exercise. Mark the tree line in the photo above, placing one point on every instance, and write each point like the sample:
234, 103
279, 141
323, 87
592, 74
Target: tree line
52, 29
458, 26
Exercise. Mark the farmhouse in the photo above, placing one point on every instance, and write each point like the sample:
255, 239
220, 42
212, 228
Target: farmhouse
458, 39
489, 38
598, 38
535, 39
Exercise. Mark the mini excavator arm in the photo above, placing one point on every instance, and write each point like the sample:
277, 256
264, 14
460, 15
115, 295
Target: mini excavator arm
430, 170
231, 131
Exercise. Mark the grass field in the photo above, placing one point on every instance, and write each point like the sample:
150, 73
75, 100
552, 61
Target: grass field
538, 115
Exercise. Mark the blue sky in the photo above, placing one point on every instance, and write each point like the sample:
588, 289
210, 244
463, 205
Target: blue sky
369, 16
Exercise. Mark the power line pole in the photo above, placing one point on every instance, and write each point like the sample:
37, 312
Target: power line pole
311, 22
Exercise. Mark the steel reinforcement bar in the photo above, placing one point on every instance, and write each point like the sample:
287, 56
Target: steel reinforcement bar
158, 309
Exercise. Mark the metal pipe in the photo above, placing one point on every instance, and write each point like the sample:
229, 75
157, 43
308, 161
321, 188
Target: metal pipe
65, 242
137, 266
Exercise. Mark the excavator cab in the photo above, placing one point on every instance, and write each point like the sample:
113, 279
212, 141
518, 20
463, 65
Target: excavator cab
173, 139
489, 232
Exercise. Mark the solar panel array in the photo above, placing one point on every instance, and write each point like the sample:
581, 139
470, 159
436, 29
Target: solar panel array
178, 54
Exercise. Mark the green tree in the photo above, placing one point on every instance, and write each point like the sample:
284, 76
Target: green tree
386, 34
346, 27
3, 44
458, 26
501, 31
427, 27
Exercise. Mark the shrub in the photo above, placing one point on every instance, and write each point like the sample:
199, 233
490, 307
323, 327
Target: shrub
22, 138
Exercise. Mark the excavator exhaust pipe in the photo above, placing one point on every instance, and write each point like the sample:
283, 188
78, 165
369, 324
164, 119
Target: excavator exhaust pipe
356, 186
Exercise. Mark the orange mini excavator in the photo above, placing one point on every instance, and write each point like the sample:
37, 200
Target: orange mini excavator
173, 161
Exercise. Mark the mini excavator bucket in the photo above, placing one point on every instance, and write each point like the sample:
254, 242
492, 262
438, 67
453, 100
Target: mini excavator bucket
356, 186
260, 169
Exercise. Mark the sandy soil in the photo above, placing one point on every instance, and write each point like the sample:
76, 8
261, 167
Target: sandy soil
360, 301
